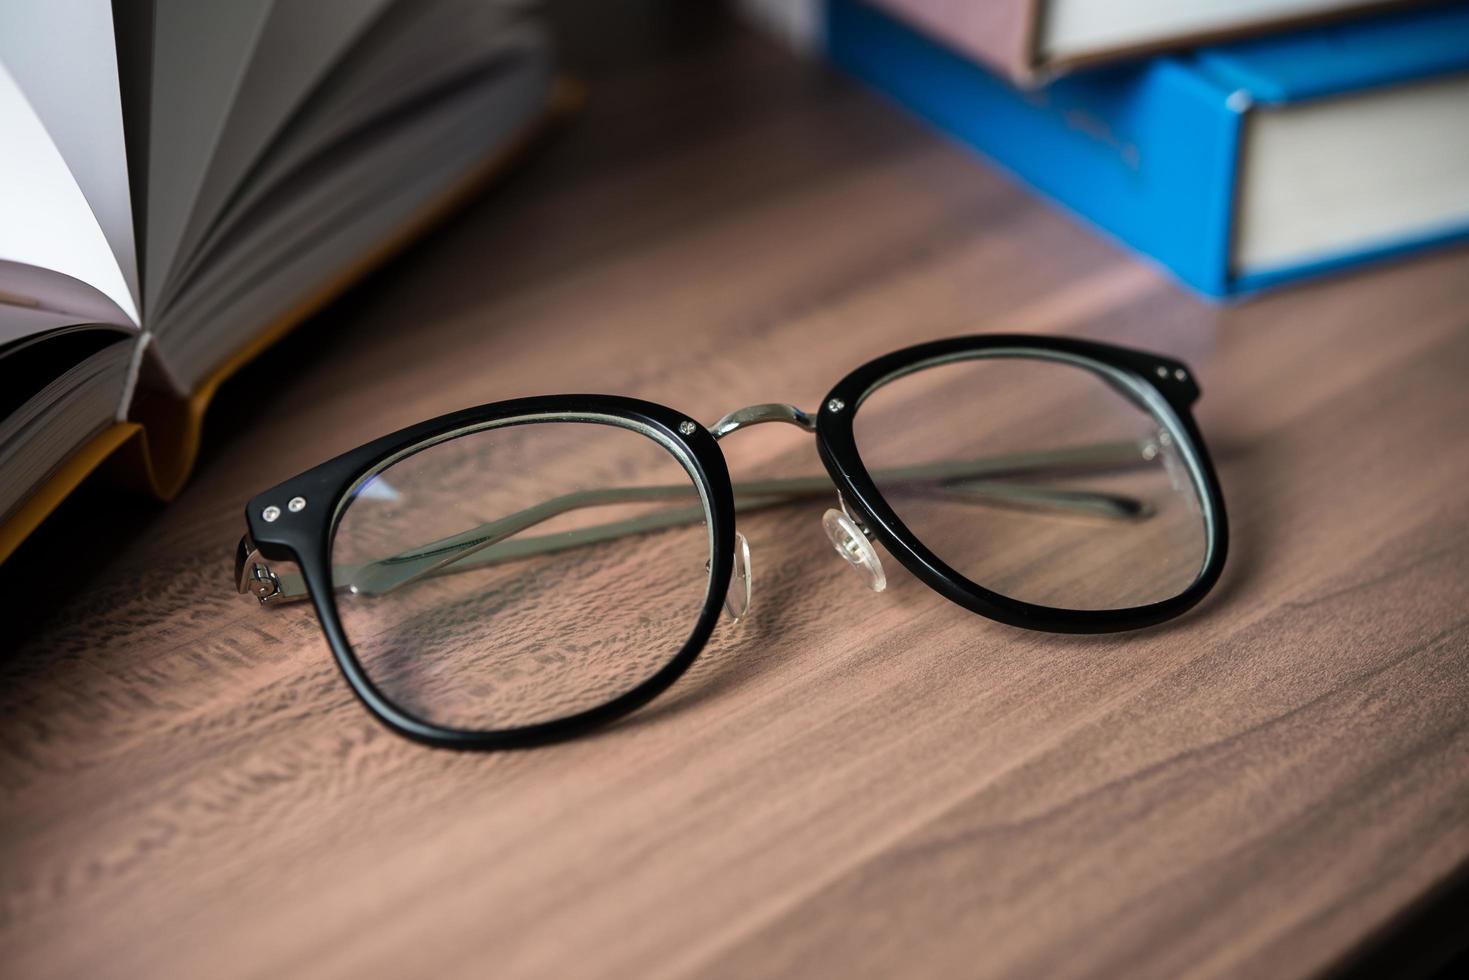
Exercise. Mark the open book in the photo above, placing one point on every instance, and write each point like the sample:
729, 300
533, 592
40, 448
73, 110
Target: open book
182, 179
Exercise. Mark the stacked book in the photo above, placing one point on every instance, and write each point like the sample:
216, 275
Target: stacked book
1239, 143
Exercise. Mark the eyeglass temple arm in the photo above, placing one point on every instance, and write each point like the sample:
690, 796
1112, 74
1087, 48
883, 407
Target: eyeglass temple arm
968, 478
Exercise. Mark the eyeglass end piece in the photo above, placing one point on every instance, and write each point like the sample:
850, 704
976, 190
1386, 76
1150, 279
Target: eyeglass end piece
252, 575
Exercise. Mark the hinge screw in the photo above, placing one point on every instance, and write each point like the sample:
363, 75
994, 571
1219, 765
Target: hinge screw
264, 583
271, 514
296, 505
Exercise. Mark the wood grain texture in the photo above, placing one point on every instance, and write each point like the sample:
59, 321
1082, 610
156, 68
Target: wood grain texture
845, 784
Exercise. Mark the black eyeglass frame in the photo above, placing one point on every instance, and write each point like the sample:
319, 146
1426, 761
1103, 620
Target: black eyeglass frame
1136, 375
304, 536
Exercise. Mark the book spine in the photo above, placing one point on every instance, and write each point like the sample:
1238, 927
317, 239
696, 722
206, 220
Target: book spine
1147, 153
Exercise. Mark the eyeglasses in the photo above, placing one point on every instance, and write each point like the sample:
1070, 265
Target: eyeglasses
523, 571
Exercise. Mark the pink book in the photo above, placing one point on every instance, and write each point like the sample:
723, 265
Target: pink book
1029, 39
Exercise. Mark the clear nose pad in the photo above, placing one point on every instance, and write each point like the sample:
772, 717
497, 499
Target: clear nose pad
1163, 447
847, 537
737, 599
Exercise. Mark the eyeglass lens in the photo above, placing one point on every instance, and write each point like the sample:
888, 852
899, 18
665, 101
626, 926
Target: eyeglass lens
523, 573
1046, 481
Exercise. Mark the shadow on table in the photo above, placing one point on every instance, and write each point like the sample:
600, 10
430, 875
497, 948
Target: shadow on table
1428, 940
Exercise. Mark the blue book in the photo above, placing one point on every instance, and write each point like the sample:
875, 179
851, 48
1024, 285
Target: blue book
1237, 167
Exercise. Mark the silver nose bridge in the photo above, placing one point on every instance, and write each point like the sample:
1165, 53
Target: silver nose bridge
850, 539
757, 414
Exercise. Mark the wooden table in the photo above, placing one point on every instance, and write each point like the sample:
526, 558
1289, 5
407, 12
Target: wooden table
846, 784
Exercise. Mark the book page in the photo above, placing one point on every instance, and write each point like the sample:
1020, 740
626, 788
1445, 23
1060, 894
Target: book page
407, 52
298, 44
1329, 178
61, 390
1076, 28
33, 300
226, 74
201, 49
63, 56
25, 321
327, 218
46, 221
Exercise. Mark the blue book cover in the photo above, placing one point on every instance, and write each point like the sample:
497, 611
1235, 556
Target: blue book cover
1150, 152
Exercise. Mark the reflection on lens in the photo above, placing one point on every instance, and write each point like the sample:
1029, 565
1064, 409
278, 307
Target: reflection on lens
1039, 479
523, 573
